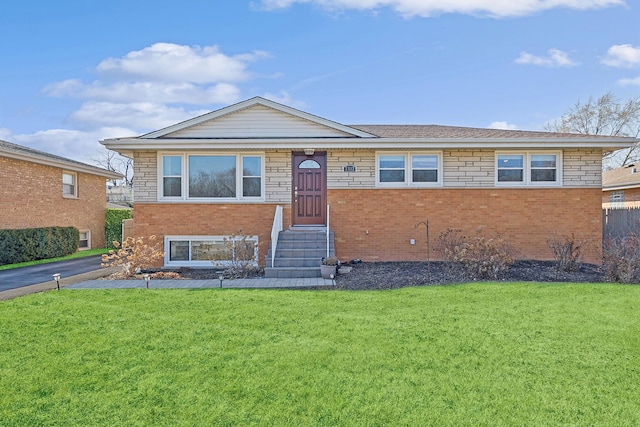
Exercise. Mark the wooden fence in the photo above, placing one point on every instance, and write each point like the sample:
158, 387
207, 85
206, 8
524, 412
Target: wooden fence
620, 221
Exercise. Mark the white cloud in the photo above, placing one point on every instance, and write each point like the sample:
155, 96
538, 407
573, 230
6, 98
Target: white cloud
622, 55
142, 91
168, 62
427, 8
284, 98
78, 145
502, 125
182, 93
555, 58
143, 116
630, 82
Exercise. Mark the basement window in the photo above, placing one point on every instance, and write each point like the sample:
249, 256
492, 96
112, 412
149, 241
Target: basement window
202, 251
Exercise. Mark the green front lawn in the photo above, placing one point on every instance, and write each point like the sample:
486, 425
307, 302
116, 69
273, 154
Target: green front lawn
478, 354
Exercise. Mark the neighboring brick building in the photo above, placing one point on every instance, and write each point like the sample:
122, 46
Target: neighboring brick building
621, 187
43, 190
202, 180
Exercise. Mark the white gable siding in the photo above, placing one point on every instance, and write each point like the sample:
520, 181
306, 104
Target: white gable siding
258, 122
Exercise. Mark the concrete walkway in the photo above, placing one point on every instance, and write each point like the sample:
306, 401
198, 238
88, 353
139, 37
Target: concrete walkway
254, 283
90, 280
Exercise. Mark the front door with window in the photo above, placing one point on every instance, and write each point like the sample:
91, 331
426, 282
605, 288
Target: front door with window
309, 198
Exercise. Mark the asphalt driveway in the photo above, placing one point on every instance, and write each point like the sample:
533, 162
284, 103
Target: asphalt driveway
26, 276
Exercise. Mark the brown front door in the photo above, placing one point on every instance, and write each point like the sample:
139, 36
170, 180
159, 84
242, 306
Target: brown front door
309, 189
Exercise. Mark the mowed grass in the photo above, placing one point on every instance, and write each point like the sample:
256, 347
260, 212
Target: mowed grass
477, 354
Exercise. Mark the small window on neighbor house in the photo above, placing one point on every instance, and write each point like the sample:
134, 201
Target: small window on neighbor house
85, 240
616, 197
69, 184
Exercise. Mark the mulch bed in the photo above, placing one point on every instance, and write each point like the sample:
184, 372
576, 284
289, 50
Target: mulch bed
392, 275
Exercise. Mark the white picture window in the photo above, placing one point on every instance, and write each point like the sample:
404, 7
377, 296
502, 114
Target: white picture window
202, 251
408, 169
211, 177
529, 168
69, 184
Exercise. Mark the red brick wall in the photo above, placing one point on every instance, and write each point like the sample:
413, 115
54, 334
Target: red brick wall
31, 196
166, 219
630, 195
377, 224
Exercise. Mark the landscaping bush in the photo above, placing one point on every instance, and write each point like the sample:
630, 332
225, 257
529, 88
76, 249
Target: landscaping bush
567, 251
238, 257
133, 255
621, 258
113, 225
475, 257
31, 244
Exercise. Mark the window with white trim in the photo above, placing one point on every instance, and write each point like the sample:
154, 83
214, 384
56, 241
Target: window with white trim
85, 240
211, 176
202, 251
69, 184
529, 168
616, 196
408, 169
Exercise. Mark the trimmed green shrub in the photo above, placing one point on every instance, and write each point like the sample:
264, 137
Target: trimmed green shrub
113, 225
30, 244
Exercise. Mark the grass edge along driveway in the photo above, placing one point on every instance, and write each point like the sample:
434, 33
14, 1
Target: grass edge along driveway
476, 354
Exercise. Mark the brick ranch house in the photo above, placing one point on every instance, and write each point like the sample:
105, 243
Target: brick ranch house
45, 190
259, 166
621, 187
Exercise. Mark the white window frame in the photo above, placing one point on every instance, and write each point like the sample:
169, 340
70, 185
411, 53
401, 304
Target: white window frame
408, 170
88, 239
74, 175
184, 197
526, 178
207, 263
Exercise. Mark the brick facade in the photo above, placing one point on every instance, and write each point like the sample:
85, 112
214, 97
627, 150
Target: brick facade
32, 197
186, 219
378, 224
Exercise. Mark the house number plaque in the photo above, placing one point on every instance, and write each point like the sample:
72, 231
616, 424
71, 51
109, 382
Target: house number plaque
349, 168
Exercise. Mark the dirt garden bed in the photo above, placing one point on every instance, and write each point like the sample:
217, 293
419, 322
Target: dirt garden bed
391, 275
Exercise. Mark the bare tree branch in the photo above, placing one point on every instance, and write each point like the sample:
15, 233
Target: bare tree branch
606, 115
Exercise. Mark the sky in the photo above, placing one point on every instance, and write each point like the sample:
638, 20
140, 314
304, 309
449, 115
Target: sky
75, 72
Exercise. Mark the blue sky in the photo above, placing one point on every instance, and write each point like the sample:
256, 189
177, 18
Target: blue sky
75, 72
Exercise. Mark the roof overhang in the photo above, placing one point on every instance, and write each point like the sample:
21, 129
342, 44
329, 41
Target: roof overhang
59, 163
126, 146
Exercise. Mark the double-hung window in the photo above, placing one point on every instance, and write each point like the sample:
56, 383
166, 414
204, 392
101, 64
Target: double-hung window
529, 168
211, 176
408, 169
69, 184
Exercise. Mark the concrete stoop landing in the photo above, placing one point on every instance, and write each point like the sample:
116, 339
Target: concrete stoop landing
299, 252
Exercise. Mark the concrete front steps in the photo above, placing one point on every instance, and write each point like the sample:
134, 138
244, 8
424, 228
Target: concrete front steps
299, 252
